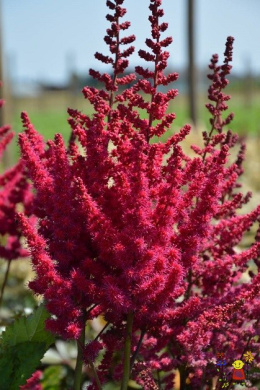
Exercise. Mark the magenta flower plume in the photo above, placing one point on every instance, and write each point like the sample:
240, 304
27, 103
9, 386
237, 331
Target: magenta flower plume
141, 232
34, 382
106, 219
217, 309
15, 192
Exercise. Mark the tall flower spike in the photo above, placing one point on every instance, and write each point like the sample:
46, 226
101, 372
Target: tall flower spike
215, 91
149, 81
118, 58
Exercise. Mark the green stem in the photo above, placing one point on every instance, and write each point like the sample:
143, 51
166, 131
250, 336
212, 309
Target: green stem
127, 352
4, 282
132, 360
79, 363
95, 375
102, 330
182, 370
159, 380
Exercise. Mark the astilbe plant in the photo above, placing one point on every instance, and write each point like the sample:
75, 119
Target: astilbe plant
140, 232
15, 195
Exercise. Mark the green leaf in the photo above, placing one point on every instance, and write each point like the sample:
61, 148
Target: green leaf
31, 328
6, 368
22, 347
18, 363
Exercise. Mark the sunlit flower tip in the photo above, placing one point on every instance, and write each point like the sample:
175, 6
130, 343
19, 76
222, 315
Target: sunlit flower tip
73, 331
248, 357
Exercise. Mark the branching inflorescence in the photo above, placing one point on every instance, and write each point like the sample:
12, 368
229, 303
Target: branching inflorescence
139, 232
15, 195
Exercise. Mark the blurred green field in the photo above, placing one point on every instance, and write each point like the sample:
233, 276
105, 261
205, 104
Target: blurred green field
48, 113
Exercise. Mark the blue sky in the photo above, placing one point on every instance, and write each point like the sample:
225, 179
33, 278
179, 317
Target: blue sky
40, 34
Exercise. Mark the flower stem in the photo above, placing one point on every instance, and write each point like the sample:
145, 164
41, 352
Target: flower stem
127, 352
132, 360
95, 375
79, 363
4, 281
182, 371
102, 330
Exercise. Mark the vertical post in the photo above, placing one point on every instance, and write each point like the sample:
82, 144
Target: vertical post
192, 93
72, 79
248, 84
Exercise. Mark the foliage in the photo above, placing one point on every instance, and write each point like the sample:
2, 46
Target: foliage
26, 329
52, 377
23, 345
17, 363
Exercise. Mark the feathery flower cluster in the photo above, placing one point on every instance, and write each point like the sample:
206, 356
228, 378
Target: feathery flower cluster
34, 382
15, 191
141, 231
105, 235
